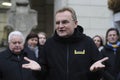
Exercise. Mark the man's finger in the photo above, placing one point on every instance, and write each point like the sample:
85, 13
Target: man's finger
27, 59
104, 59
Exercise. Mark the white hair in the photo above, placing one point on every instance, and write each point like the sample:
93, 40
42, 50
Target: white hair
15, 33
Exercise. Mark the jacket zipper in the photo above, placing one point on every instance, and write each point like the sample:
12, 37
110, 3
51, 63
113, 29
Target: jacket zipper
20, 68
67, 62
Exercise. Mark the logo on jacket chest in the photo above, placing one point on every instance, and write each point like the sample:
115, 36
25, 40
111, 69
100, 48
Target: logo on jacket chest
79, 52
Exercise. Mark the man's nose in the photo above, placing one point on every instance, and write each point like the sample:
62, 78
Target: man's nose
61, 24
17, 44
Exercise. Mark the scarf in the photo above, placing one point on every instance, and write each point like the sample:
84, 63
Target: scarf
114, 46
35, 49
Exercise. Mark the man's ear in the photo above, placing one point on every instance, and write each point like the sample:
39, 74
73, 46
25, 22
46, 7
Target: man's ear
76, 23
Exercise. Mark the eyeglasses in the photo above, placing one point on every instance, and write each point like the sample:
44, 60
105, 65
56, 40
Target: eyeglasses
63, 22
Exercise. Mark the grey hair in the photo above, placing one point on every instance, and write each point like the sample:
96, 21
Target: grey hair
15, 33
71, 10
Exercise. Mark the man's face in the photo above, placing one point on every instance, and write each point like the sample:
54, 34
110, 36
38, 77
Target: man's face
16, 44
112, 37
65, 24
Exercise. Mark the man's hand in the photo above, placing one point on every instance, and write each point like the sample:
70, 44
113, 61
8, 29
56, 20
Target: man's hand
31, 65
98, 64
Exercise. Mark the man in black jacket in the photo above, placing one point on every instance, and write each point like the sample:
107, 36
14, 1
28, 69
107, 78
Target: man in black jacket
68, 54
11, 59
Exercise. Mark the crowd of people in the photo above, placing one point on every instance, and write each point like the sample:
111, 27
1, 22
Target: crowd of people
111, 49
68, 54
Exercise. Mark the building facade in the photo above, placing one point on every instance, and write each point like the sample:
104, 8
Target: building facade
93, 15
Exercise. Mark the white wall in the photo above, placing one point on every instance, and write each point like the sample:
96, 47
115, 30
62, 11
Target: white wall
93, 15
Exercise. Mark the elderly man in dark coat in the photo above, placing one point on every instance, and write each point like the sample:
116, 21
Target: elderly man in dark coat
11, 59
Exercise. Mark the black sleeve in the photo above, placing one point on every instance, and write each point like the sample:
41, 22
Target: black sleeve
106, 75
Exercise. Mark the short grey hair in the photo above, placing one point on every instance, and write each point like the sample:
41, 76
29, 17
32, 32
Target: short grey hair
15, 33
71, 10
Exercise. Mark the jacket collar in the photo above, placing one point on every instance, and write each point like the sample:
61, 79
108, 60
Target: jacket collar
14, 57
75, 37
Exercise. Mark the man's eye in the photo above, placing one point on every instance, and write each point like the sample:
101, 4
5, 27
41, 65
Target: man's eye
14, 42
65, 22
58, 22
17, 42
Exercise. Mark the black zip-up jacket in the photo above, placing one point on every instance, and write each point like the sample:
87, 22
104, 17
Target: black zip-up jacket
69, 58
11, 66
